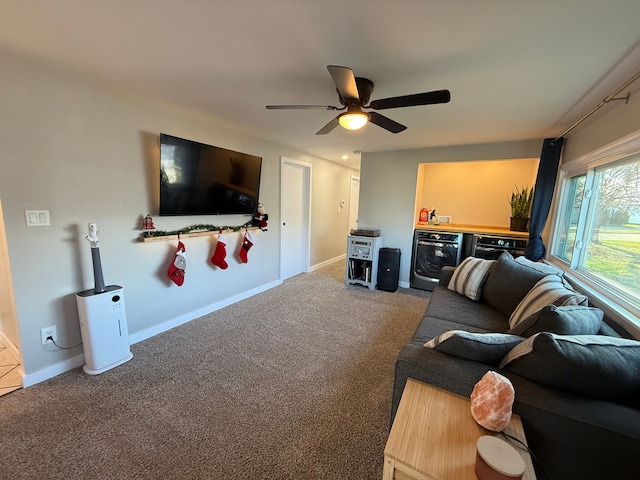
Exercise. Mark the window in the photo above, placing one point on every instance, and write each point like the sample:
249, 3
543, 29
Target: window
569, 221
597, 229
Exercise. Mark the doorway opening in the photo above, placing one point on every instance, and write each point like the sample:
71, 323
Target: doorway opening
295, 213
354, 198
10, 367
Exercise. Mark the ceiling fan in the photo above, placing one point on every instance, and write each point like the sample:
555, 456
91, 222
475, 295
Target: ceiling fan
354, 93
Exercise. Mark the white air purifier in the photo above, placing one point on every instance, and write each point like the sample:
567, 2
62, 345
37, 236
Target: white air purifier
103, 319
103, 327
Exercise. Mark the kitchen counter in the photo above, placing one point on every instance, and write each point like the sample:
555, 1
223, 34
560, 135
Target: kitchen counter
481, 229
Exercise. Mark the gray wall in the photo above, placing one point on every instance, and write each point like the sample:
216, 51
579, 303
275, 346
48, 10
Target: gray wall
88, 152
610, 123
388, 186
331, 183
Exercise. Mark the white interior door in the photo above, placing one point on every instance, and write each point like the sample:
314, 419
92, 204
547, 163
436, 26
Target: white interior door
295, 218
354, 198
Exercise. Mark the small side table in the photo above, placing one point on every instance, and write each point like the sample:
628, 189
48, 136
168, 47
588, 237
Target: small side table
434, 436
362, 260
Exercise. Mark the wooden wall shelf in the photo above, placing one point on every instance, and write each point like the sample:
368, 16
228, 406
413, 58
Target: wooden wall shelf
161, 238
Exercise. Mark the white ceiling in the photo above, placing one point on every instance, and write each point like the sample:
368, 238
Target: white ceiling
516, 69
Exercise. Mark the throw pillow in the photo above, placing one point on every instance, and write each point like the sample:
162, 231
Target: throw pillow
540, 266
469, 276
487, 348
508, 283
550, 290
595, 365
567, 320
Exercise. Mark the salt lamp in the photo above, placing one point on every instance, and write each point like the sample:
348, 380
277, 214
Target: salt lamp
491, 401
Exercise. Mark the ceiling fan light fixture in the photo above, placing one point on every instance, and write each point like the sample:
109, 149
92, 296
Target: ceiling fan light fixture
354, 94
353, 120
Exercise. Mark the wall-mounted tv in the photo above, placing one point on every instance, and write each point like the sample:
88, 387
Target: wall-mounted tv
200, 179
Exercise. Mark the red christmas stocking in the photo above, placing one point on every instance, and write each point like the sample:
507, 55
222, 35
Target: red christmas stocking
218, 258
178, 266
248, 242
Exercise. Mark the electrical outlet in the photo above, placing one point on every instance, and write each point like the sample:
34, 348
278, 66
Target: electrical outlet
47, 332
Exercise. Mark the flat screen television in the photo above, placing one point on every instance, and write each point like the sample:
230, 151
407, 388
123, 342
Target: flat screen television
200, 179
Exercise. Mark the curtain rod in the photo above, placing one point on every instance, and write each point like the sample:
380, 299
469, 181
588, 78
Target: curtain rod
601, 104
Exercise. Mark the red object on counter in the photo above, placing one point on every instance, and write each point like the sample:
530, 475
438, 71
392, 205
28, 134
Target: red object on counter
424, 216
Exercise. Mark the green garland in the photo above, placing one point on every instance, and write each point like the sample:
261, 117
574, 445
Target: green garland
196, 228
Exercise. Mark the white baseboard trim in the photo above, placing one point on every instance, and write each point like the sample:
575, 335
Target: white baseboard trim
78, 360
52, 371
339, 258
404, 284
187, 317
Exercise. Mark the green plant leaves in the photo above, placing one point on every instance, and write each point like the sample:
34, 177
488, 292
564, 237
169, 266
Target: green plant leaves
521, 202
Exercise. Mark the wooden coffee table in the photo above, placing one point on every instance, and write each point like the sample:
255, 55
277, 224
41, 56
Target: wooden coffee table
434, 436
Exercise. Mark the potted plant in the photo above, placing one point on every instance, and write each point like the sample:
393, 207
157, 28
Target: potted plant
520, 207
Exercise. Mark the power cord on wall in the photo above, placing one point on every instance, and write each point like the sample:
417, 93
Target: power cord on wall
62, 348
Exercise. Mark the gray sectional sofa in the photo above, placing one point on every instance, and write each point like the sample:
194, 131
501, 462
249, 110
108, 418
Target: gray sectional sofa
581, 413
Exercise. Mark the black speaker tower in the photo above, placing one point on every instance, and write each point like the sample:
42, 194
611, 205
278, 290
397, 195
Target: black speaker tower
388, 269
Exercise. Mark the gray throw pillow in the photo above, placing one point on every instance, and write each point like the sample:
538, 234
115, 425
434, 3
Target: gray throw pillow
550, 290
540, 266
469, 276
508, 283
487, 348
567, 320
594, 365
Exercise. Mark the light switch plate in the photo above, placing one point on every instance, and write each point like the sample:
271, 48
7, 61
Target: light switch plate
37, 218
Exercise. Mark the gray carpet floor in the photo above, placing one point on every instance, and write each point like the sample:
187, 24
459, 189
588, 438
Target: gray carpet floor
293, 383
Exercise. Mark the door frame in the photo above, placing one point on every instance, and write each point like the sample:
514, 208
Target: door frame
352, 179
306, 209
12, 339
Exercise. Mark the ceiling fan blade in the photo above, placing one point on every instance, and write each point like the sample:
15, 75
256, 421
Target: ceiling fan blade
302, 107
345, 81
427, 98
328, 127
386, 123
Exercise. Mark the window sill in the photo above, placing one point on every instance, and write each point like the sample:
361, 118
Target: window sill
613, 307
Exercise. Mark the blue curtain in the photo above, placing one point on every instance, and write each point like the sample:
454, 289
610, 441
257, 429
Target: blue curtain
545, 185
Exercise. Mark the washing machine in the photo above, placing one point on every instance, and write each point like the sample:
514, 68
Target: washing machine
432, 251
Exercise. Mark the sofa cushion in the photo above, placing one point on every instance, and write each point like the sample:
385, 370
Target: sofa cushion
431, 327
549, 290
595, 365
508, 283
469, 276
457, 308
488, 348
566, 320
540, 266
